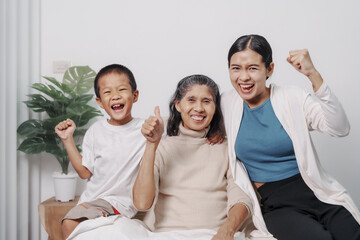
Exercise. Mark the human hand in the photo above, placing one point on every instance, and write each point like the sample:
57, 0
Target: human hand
153, 127
65, 129
217, 138
301, 61
223, 234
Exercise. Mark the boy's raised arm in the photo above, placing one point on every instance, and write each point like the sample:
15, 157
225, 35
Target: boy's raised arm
65, 130
144, 187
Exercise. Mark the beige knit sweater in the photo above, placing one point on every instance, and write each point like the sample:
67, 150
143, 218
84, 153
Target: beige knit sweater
194, 183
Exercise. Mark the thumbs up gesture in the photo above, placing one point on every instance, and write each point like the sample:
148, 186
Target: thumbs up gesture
153, 127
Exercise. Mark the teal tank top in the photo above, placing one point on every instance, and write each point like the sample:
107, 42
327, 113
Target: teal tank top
263, 145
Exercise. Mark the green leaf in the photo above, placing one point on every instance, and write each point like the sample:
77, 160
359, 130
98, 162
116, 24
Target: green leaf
51, 92
78, 109
33, 145
51, 137
85, 118
30, 128
82, 113
79, 132
65, 88
84, 99
79, 148
50, 123
38, 103
80, 79
56, 150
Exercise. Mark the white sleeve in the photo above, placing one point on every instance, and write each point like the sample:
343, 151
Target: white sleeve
324, 112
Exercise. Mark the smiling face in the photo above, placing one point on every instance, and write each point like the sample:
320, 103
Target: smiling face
116, 97
248, 75
197, 107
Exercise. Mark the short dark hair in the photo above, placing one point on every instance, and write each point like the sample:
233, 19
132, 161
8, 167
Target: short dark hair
217, 122
254, 42
117, 68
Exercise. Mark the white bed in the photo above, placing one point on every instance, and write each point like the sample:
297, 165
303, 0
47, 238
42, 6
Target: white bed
118, 227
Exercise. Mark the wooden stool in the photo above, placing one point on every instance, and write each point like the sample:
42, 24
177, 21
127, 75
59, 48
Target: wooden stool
51, 213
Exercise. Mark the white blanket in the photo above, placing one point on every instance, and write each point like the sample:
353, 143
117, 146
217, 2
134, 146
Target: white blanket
122, 228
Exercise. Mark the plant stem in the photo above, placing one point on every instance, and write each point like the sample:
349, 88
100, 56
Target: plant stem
65, 165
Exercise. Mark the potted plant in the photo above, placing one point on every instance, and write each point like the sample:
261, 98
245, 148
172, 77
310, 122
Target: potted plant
59, 100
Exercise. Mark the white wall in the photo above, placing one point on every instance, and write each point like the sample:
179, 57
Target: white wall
162, 41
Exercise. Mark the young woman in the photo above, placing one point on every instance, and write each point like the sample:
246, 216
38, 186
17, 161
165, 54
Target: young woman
268, 136
187, 179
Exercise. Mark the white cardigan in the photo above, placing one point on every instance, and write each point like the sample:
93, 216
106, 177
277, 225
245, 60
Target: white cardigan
298, 112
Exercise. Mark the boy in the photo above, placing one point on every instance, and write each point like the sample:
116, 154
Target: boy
112, 150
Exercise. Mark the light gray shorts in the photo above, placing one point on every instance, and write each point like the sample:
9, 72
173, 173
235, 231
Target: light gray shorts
91, 210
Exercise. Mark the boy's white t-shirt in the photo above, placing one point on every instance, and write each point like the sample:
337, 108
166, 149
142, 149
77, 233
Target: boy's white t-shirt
112, 154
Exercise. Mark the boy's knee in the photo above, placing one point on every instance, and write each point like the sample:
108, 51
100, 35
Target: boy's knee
68, 226
65, 224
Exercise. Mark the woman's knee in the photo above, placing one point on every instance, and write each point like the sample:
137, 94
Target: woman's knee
294, 225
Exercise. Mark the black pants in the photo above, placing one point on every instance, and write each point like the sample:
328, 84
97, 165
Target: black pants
292, 211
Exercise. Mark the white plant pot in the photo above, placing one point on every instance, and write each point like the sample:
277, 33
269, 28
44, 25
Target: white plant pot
65, 186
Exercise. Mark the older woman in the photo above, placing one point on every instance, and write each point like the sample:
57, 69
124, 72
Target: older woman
188, 180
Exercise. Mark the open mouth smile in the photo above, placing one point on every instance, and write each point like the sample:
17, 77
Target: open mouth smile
117, 107
246, 88
197, 118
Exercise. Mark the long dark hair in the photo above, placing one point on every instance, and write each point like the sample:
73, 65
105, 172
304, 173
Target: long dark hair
217, 122
254, 42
